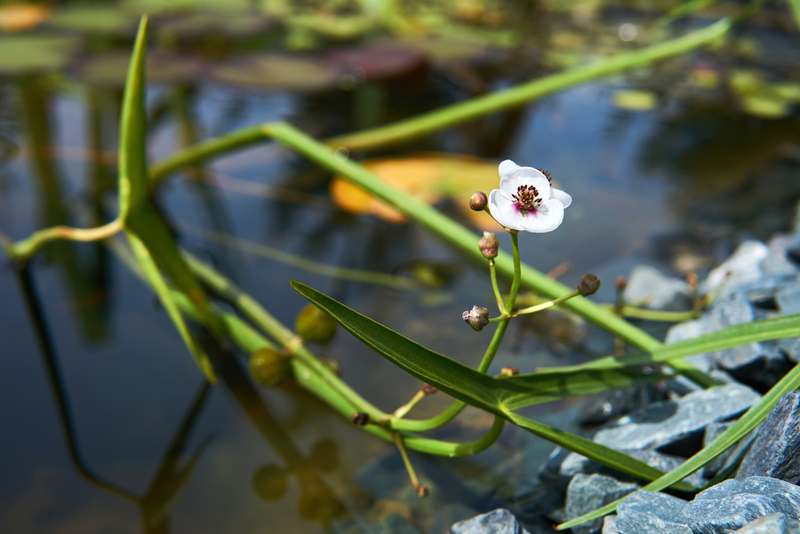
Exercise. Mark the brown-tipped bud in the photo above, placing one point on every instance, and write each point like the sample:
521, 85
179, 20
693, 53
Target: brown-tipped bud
620, 283
477, 318
509, 371
268, 367
588, 285
428, 389
422, 491
315, 325
488, 245
692, 280
478, 201
360, 418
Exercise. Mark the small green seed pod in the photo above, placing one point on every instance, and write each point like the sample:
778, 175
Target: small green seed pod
269, 482
268, 367
315, 325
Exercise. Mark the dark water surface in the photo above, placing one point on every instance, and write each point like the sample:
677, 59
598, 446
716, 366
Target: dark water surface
88, 353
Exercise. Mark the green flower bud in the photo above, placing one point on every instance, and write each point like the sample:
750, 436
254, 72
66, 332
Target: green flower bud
477, 318
478, 201
315, 325
268, 367
588, 285
488, 245
270, 482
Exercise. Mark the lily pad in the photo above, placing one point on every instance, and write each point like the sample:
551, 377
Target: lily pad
28, 54
110, 69
766, 106
428, 178
635, 100
376, 61
96, 19
274, 71
443, 50
209, 23
21, 17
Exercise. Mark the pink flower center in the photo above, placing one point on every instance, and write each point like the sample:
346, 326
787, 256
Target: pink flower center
527, 199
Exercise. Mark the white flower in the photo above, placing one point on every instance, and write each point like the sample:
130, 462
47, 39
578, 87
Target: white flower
525, 200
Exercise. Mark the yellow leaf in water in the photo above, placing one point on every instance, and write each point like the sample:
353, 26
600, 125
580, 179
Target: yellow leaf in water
428, 178
21, 17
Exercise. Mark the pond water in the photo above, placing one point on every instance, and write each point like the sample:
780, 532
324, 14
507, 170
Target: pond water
107, 426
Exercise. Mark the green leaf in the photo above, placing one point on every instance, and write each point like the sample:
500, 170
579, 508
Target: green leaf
470, 386
150, 239
132, 127
750, 420
164, 293
732, 336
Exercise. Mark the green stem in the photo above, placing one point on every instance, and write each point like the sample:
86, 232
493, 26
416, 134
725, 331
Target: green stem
657, 315
24, 249
545, 305
497, 295
410, 405
512, 295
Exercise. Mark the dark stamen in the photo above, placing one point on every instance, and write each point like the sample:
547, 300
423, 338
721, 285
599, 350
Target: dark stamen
547, 175
527, 197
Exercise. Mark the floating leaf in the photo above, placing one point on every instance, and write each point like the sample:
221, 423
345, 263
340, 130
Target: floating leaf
635, 100
28, 54
21, 17
274, 71
226, 24
766, 106
95, 19
110, 69
444, 50
376, 61
428, 178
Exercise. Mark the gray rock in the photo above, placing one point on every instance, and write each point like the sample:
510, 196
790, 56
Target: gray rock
743, 266
732, 504
499, 521
730, 457
648, 287
643, 523
776, 452
788, 300
589, 492
573, 464
661, 505
663, 423
769, 524
778, 260
609, 524
791, 348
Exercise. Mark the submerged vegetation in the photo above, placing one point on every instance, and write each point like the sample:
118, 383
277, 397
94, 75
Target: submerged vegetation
214, 316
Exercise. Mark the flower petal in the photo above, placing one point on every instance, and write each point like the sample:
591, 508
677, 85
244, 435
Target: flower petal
561, 196
507, 167
546, 219
504, 211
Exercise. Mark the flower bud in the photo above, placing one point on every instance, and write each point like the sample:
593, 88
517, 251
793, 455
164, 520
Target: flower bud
268, 367
509, 371
620, 283
428, 389
588, 285
478, 201
488, 245
360, 418
315, 325
477, 318
422, 491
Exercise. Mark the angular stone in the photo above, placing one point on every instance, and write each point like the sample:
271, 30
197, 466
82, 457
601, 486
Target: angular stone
589, 492
642, 523
661, 505
784, 495
743, 266
769, 524
573, 464
663, 423
722, 515
733, 454
609, 524
788, 300
776, 451
646, 285
791, 348
499, 521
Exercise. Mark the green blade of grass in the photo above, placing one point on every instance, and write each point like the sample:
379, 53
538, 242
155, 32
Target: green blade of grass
750, 420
